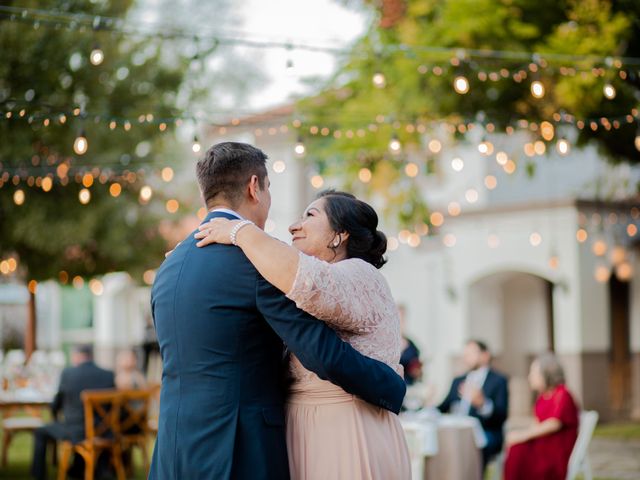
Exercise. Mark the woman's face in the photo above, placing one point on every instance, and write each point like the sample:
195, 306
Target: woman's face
312, 234
536, 380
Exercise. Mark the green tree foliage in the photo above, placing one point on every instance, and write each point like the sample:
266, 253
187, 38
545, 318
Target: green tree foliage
412, 38
44, 76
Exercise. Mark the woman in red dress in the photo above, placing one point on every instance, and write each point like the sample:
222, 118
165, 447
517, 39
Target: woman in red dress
542, 451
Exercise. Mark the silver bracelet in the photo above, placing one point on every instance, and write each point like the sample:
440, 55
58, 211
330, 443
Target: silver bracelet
236, 229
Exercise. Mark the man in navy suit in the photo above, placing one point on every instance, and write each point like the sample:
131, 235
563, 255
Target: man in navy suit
83, 375
482, 393
221, 329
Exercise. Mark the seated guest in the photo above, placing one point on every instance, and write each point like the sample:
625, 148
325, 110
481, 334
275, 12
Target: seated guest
82, 375
543, 449
482, 393
128, 377
410, 356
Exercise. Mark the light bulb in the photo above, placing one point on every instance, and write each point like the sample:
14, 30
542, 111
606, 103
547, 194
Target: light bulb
609, 91
461, 84
84, 196
394, 145
379, 80
299, 149
624, 271
602, 273
196, 145
637, 140
145, 194
457, 164
18, 197
563, 146
97, 56
537, 89
485, 147
81, 144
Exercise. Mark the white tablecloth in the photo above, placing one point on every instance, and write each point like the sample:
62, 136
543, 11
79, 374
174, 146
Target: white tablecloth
424, 432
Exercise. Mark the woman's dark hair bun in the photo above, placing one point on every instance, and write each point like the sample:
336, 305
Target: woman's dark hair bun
348, 214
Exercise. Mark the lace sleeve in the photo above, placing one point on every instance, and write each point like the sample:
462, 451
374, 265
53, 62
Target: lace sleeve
341, 294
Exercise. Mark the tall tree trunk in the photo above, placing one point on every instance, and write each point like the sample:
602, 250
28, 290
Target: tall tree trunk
30, 331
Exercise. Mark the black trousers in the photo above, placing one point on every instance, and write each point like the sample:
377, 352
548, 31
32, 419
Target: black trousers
43, 436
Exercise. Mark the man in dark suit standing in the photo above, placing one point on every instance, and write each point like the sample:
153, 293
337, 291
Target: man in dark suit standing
482, 393
84, 374
221, 328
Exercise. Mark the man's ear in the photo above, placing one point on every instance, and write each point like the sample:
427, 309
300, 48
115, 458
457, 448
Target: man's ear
254, 186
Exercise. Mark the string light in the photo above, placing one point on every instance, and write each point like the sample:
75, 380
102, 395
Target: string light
485, 148
537, 89
145, 194
535, 239
18, 197
624, 271
317, 181
599, 248
96, 57
602, 273
457, 164
563, 146
81, 144
365, 175
636, 141
196, 144
411, 169
609, 91
461, 84
394, 145
279, 166
84, 196
167, 174
299, 149
379, 80
434, 146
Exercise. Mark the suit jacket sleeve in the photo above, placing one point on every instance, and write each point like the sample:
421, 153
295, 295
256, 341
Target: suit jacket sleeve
320, 350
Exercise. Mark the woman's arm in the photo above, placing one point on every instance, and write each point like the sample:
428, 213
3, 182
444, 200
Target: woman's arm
541, 429
340, 294
277, 262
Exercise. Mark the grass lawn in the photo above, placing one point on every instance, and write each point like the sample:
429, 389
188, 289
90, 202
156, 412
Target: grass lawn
21, 450
623, 431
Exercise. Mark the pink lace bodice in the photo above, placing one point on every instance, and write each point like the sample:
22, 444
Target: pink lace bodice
354, 299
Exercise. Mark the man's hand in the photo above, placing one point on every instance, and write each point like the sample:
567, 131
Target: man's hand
472, 394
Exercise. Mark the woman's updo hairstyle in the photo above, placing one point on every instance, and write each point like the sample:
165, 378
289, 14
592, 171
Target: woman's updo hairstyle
348, 214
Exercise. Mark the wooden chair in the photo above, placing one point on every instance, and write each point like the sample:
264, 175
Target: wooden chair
102, 423
134, 422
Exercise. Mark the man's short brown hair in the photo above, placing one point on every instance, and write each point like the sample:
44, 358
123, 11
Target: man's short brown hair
226, 169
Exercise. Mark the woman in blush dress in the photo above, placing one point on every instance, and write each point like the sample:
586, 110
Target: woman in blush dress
543, 450
331, 272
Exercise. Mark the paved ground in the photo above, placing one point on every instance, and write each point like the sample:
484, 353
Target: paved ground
615, 459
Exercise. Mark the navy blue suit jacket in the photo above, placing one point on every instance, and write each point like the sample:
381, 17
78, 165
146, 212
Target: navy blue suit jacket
221, 328
495, 388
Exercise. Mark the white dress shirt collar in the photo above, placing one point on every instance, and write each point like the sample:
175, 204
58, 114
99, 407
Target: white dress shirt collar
228, 211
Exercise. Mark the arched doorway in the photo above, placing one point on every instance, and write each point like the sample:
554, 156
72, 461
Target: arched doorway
513, 312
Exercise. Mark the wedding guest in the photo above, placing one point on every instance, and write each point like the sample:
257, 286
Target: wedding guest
482, 393
84, 374
410, 356
128, 377
543, 449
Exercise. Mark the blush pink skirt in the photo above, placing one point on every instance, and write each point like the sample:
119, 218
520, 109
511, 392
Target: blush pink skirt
334, 435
